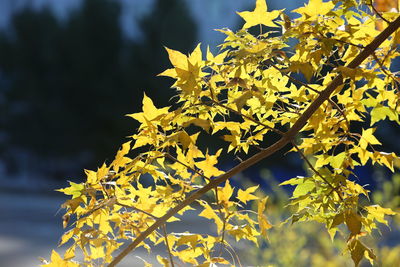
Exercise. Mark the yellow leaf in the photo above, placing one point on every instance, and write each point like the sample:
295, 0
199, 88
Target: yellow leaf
188, 238
246, 195
353, 222
337, 161
260, 15
209, 213
75, 190
163, 261
57, 261
303, 188
150, 112
177, 59
97, 252
67, 236
262, 220
225, 193
376, 212
381, 112
169, 73
315, 8
70, 253
91, 177
219, 260
386, 159
207, 166
218, 59
120, 159
367, 137
358, 250
195, 58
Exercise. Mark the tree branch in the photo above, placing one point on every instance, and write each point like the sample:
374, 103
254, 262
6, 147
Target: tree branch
285, 139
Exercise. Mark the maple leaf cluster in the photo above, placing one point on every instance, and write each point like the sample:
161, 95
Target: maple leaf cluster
246, 94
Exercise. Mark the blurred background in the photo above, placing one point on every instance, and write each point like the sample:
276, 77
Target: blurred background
69, 72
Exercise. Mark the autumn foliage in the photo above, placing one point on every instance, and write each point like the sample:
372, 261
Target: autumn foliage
246, 94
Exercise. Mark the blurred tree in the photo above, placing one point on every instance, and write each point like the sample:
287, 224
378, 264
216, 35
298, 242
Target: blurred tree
168, 25
66, 85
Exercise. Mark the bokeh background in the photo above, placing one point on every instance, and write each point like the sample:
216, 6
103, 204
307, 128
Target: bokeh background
69, 72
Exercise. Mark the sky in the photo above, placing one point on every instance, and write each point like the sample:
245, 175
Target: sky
209, 14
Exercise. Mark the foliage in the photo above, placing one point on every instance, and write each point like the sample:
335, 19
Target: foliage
307, 244
246, 94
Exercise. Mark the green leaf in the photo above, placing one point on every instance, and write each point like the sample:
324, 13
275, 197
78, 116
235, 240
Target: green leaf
303, 188
75, 190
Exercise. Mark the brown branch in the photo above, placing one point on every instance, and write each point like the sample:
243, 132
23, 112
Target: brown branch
315, 91
167, 245
286, 139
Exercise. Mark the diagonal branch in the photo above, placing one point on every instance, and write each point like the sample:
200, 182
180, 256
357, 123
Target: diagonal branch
286, 139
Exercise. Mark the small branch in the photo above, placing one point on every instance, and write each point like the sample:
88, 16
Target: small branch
137, 209
344, 42
227, 245
167, 245
185, 165
383, 68
377, 12
247, 117
315, 91
314, 170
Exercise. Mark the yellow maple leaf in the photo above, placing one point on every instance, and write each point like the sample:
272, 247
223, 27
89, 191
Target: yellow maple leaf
120, 159
177, 59
247, 195
225, 193
368, 138
187, 70
315, 8
376, 212
208, 165
150, 112
262, 220
209, 213
58, 261
260, 15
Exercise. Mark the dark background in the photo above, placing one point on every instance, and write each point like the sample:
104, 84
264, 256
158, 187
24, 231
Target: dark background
66, 85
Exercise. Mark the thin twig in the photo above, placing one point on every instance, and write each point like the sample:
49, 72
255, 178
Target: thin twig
314, 170
221, 215
383, 68
377, 12
167, 245
185, 165
247, 117
227, 245
137, 209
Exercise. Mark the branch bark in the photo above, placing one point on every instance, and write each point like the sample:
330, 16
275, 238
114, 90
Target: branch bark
285, 139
